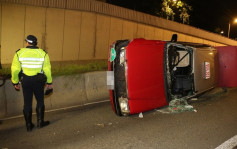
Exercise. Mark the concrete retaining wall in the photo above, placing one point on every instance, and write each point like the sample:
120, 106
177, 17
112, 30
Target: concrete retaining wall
68, 91
85, 32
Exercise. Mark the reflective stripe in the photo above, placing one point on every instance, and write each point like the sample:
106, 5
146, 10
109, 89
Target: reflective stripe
31, 59
31, 66
32, 62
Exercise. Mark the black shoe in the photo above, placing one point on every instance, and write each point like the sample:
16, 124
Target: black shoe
40, 117
41, 124
29, 127
28, 119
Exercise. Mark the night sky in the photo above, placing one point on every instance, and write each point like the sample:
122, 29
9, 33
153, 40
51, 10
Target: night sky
210, 15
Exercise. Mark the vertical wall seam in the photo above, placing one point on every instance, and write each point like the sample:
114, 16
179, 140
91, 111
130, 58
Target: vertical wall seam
109, 33
63, 31
94, 54
44, 36
1, 38
79, 50
122, 29
24, 26
95, 31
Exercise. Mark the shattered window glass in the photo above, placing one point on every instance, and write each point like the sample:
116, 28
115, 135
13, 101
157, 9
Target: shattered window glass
178, 105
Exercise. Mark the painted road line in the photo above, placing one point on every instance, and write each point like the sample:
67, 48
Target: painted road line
229, 144
59, 109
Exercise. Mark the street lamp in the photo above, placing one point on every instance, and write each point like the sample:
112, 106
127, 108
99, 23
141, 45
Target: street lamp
235, 21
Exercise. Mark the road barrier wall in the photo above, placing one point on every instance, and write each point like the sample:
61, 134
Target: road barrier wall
69, 91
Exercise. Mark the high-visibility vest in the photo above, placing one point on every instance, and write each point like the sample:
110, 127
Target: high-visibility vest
31, 61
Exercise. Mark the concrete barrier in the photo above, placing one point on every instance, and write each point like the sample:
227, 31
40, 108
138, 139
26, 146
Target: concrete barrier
95, 86
2, 101
68, 91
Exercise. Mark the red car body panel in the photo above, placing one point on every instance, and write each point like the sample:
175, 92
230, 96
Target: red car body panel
227, 66
111, 99
144, 81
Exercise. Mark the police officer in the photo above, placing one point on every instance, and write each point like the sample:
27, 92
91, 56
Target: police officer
34, 65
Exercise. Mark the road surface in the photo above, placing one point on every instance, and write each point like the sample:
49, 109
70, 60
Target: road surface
97, 127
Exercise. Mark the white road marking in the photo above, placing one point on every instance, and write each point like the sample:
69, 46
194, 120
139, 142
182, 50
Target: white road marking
81, 105
229, 144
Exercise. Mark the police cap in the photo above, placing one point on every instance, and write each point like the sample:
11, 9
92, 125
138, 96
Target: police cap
31, 39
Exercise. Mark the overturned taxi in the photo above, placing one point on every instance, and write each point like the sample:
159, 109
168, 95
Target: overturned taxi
147, 74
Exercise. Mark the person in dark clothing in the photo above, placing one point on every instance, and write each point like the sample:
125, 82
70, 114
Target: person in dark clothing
33, 64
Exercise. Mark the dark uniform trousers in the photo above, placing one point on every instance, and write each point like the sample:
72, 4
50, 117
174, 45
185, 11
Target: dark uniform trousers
31, 85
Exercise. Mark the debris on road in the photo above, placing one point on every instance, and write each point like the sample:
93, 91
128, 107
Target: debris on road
140, 115
101, 125
194, 99
178, 106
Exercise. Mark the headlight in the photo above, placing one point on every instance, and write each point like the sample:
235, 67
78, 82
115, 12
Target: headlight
123, 102
122, 56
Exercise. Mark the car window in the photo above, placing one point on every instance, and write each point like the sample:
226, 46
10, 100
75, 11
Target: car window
185, 61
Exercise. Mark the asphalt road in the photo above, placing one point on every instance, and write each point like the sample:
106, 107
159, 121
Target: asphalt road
97, 127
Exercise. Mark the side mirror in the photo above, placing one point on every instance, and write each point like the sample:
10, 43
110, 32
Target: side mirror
174, 38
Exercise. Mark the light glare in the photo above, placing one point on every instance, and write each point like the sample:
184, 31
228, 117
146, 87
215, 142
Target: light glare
235, 21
